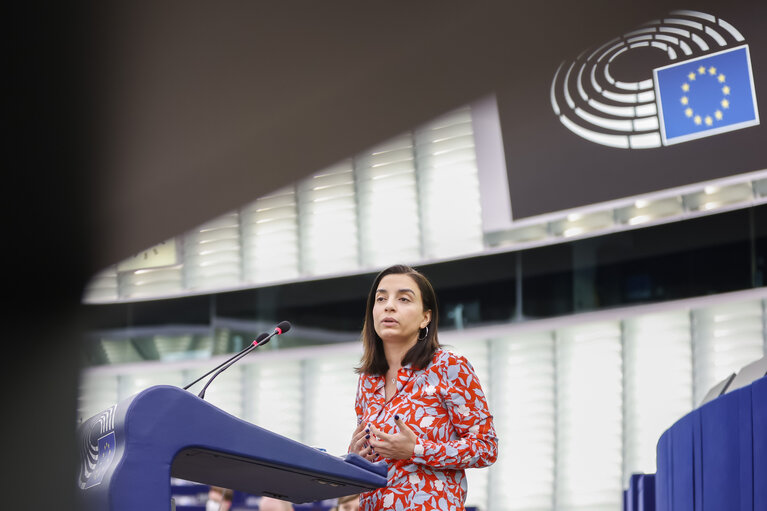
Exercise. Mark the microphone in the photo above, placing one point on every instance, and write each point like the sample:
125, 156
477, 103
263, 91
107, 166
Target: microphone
258, 339
281, 328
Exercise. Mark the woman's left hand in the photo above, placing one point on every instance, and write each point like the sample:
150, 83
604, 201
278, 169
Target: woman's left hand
398, 446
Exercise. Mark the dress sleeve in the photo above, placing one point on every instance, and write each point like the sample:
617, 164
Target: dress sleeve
469, 416
359, 407
359, 400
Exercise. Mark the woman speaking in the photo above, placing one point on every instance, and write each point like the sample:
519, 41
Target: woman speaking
419, 408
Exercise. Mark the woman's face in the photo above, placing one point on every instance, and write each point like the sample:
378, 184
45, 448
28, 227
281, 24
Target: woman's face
398, 312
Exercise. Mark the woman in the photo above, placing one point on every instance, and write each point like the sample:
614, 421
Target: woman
419, 408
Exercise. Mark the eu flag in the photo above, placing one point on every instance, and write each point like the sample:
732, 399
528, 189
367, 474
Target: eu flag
106, 455
706, 96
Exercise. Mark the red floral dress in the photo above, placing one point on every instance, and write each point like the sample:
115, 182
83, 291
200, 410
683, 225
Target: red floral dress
445, 407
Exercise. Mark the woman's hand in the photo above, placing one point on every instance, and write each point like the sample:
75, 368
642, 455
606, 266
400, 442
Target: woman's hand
398, 446
360, 444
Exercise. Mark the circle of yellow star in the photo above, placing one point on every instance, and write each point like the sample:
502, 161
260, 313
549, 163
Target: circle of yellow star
718, 114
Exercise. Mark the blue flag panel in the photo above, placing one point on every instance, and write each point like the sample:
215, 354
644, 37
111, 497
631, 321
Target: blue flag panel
106, 454
706, 96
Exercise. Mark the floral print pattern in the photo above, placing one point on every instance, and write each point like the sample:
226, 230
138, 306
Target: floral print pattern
445, 407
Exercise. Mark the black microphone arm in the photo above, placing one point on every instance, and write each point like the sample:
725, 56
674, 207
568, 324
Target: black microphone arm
258, 339
281, 328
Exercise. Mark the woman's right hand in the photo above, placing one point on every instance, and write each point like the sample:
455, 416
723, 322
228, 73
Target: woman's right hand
360, 444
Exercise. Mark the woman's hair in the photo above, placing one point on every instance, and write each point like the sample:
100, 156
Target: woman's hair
373, 357
226, 493
344, 500
348, 498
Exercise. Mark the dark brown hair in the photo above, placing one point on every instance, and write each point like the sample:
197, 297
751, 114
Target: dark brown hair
348, 498
226, 493
373, 357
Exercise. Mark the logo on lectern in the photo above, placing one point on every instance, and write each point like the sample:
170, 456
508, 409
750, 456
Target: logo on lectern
672, 80
97, 448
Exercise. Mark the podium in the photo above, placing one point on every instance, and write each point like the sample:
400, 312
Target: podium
129, 452
712, 459
715, 457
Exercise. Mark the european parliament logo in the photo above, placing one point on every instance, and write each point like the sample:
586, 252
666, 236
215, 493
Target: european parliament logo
706, 96
98, 445
106, 450
705, 86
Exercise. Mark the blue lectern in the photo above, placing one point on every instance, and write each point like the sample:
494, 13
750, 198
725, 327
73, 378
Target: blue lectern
715, 457
712, 459
129, 452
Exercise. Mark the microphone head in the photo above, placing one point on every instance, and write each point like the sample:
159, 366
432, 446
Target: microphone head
260, 338
282, 327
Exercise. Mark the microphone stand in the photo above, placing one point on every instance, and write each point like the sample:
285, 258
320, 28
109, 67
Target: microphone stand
255, 343
237, 357
284, 326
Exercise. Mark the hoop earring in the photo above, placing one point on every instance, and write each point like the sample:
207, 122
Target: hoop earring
424, 335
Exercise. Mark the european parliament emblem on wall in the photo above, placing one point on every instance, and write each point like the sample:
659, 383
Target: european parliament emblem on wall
669, 81
706, 96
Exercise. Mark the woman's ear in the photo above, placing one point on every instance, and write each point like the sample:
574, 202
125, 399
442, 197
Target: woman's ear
426, 318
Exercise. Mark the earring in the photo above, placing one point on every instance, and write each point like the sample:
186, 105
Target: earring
424, 335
